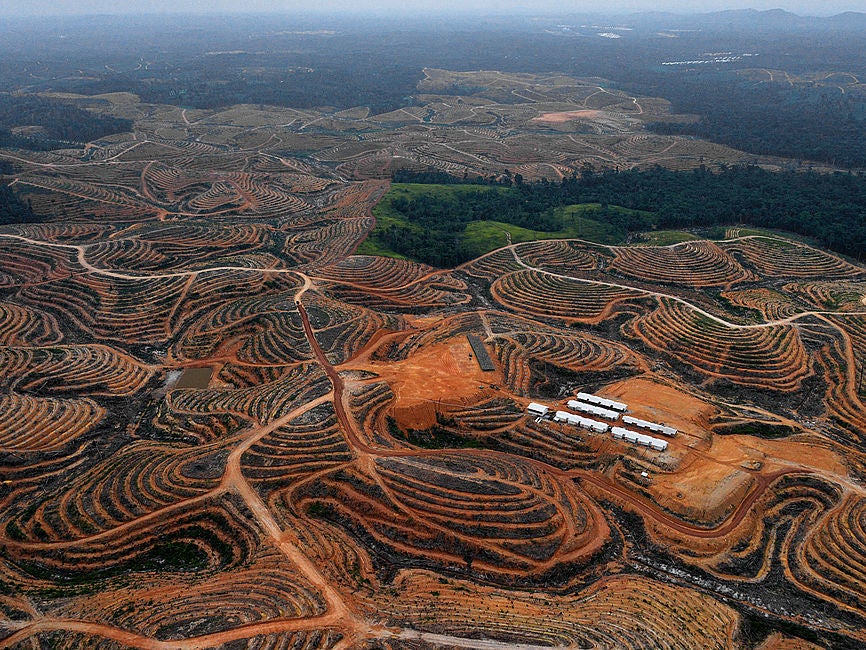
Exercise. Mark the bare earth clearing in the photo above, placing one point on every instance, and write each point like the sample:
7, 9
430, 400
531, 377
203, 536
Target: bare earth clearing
221, 427
559, 118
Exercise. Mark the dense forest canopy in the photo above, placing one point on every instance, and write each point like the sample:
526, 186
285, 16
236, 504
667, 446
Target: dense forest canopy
12, 209
803, 122
447, 224
831, 208
51, 123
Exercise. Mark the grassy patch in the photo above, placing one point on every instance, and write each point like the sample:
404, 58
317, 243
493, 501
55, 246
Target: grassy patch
372, 246
386, 215
388, 218
592, 221
484, 236
667, 237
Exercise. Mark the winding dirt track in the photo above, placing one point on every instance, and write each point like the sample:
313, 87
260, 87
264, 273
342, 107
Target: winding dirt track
667, 296
82, 259
339, 615
644, 506
131, 639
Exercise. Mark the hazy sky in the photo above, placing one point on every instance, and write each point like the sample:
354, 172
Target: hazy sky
53, 7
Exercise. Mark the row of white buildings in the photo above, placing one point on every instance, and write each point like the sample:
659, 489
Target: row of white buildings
639, 438
651, 426
609, 410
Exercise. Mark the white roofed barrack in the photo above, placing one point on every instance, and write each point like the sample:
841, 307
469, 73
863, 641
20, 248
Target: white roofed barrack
594, 410
639, 438
539, 409
602, 401
652, 426
577, 420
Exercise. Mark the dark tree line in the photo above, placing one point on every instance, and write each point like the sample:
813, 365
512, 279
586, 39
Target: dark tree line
13, 209
831, 208
452, 213
806, 123
438, 247
58, 123
436, 222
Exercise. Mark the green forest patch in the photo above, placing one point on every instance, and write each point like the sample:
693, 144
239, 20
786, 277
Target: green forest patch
429, 222
446, 225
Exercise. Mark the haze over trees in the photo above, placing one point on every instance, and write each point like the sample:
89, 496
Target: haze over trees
346, 62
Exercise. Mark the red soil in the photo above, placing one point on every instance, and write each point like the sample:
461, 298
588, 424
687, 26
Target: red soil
444, 374
567, 116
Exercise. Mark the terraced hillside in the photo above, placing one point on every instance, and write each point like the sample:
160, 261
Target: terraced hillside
221, 426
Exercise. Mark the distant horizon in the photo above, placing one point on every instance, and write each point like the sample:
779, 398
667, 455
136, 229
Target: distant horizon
505, 8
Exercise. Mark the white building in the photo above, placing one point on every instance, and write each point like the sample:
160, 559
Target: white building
602, 401
620, 433
592, 410
537, 409
646, 441
578, 421
652, 426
